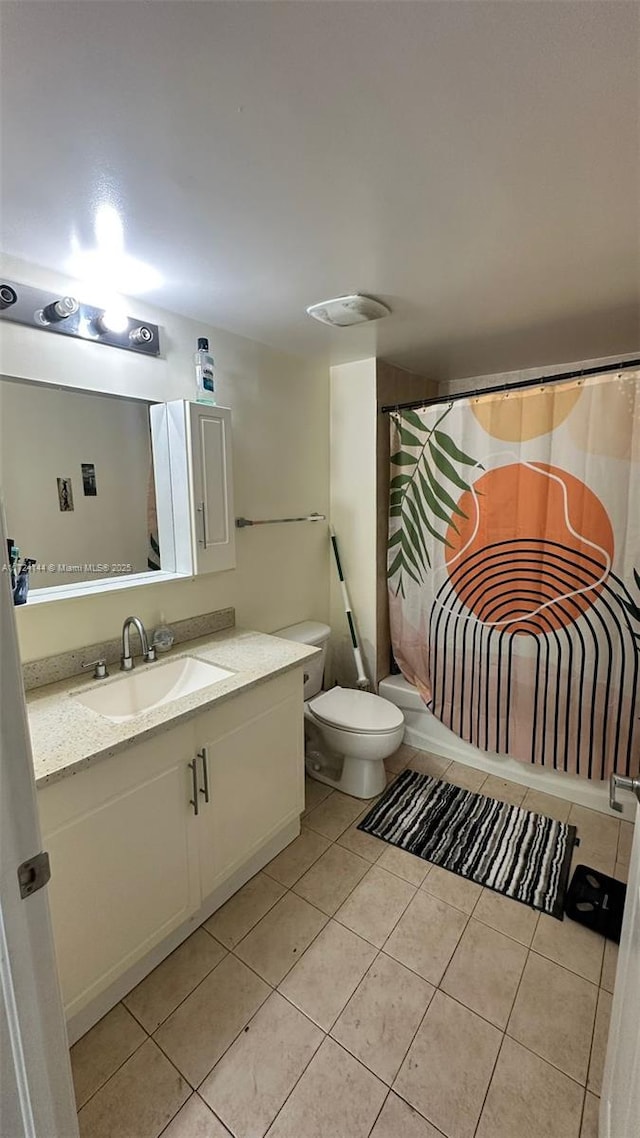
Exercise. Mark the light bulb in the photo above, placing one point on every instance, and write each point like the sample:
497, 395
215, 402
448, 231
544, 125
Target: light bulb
113, 320
58, 310
141, 335
8, 296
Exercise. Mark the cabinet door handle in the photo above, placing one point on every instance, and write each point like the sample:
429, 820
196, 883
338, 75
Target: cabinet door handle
205, 772
203, 540
194, 783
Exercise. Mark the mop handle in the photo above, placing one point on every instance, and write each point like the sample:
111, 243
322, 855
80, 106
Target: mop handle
362, 680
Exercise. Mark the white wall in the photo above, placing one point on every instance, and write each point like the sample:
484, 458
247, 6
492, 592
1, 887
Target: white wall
353, 510
499, 379
280, 407
47, 433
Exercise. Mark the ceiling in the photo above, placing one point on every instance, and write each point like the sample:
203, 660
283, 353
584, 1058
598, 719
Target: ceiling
474, 164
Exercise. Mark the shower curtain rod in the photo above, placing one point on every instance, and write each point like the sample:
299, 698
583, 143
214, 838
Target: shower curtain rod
519, 384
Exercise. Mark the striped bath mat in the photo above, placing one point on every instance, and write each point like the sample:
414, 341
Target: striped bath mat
524, 855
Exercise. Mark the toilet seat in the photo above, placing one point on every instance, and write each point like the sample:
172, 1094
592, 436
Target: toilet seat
357, 711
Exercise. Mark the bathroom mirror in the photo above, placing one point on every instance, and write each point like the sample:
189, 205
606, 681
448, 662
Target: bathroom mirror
77, 477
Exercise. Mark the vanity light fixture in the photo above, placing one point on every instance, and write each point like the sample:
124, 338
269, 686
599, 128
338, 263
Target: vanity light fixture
111, 326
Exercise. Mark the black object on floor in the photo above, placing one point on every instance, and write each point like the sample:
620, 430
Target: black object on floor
597, 901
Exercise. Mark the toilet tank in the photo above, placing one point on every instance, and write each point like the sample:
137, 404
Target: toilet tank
316, 635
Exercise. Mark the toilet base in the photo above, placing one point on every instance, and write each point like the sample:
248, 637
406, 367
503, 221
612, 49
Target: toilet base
360, 778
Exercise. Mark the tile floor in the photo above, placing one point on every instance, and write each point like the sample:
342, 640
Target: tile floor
352, 990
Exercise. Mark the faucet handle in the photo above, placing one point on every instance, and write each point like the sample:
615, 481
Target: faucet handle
150, 655
99, 668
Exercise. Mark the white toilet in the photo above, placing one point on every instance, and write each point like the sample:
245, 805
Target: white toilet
348, 734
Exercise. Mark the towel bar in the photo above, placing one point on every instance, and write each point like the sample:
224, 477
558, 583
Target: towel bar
241, 523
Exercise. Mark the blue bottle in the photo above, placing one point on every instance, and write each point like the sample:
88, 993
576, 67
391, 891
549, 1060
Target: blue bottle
205, 373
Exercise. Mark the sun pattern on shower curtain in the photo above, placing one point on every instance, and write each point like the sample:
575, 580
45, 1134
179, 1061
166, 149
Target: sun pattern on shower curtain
514, 569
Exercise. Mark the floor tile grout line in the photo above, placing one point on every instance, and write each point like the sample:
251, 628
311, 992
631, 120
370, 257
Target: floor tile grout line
256, 974
436, 988
578, 975
505, 1035
190, 993
351, 797
593, 1038
342, 848
491, 1078
118, 1068
456, 999
361, 935
286, 889
422, 888
304, 871
502, 1040
324, 1030
567, 968
357, 1057
232, 898
482, 921
201, 926
527, 1048
236, 1036
345, 1006
384, 1101
549, 1062
475, 1012
584, 1106
312, 941
133, 1014
149, 1039
302, 1073
206, 1104
242, 1032
151, 1034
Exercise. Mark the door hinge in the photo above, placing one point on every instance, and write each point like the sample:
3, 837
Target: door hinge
33, 874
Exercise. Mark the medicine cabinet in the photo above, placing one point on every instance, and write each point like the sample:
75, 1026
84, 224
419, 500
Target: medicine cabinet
194, 488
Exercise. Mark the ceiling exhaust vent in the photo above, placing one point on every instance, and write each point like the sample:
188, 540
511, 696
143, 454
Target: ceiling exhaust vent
343, 311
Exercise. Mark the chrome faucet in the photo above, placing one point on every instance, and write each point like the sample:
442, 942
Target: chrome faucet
149, 653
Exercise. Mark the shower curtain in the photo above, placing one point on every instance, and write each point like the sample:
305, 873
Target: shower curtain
514, 569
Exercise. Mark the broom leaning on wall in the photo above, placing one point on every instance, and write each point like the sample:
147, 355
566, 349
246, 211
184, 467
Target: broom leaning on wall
362, 681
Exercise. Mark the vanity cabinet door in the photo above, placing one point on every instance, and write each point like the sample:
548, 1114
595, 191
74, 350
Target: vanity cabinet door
123, 852
254, 750
211, 473
194, 486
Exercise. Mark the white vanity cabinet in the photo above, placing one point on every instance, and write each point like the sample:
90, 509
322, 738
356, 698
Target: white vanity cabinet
253, 751
194, 486
123, 861
131, 859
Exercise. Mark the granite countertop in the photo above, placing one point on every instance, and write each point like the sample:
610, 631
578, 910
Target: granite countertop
66, 736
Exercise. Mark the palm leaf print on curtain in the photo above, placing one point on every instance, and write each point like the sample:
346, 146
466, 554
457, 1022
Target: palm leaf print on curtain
514, 569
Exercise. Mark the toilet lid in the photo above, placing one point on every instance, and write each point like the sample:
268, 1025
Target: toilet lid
356, 711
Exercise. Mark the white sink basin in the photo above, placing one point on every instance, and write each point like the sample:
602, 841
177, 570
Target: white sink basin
157, 684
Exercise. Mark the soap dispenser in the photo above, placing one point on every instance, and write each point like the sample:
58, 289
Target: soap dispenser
163, 637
